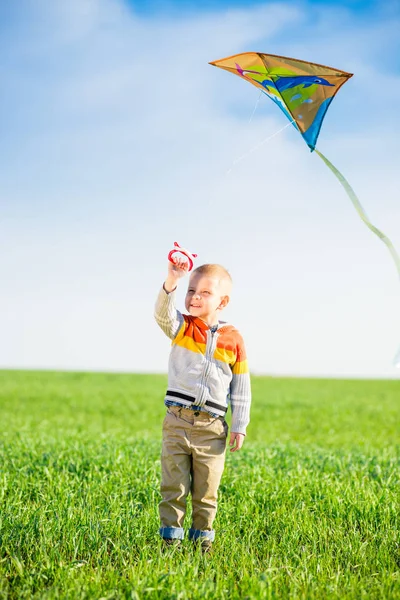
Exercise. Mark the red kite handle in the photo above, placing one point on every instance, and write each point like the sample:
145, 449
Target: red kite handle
189, 255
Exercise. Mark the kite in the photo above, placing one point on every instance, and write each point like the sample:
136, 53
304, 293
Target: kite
303, 91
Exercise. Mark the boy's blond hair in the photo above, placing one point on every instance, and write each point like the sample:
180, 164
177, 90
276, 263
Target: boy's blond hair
218, 271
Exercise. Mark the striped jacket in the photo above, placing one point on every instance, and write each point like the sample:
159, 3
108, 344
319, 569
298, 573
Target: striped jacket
205, 369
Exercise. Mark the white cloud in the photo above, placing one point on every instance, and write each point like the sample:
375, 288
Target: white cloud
118, 142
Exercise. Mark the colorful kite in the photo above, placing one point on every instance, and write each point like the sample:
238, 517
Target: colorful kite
303, 91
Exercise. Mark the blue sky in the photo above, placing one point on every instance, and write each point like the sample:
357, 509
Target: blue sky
358, 7
117, 138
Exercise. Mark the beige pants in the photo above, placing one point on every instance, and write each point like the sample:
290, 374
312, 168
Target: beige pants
192, 460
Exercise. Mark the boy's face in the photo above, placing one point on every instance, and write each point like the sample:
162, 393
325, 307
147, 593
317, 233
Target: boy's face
205, 298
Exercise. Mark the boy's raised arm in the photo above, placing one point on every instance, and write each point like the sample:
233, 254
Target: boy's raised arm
167, 316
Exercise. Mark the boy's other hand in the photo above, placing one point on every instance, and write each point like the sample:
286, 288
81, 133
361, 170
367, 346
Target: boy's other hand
236, 441
176, 269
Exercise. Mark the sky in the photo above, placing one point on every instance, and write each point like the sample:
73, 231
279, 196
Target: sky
118, 138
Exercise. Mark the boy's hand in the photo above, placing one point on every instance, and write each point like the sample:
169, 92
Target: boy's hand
176, 269
236, 441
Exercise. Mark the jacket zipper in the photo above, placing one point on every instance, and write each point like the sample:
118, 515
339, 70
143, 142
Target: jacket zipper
208, 355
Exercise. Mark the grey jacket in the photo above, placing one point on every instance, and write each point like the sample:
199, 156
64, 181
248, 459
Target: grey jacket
205, 369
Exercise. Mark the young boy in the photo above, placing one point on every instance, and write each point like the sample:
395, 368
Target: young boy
207, 366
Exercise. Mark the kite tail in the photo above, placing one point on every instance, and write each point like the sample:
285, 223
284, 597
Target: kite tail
361, 211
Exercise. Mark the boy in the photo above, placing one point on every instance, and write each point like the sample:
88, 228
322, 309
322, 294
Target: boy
207, 365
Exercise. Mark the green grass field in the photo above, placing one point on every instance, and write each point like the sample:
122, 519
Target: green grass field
309, 508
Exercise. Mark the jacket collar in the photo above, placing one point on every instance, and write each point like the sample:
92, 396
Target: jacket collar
203, 325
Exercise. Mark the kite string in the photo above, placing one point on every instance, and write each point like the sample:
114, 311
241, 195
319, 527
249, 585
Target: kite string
255, 107
237, 160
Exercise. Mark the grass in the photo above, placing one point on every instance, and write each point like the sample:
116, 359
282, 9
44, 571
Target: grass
309, 508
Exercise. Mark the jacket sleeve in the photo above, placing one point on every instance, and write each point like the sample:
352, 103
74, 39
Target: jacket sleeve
168, 318
240, 391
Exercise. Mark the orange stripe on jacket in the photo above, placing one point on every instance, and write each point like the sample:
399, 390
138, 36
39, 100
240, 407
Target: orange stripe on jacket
191, 337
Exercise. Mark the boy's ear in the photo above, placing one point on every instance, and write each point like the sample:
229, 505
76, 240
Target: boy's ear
224, 302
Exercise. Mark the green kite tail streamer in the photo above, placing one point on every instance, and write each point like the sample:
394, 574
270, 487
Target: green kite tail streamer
361, 211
